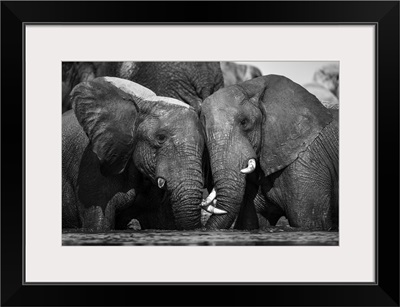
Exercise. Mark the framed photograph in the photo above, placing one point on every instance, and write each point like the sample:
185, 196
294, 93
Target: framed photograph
158, 157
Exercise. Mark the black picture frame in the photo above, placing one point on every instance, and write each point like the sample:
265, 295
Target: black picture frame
383, 14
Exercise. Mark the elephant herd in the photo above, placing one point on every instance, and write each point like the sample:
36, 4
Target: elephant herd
143, 141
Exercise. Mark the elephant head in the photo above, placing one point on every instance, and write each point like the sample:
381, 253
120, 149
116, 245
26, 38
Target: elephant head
131, 129
260, 125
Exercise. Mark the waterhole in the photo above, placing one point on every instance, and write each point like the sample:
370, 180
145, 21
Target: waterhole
270, 236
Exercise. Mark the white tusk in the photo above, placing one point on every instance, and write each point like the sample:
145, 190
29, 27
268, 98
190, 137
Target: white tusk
205, 204
209, 198
160, 182
250, 167
213, 210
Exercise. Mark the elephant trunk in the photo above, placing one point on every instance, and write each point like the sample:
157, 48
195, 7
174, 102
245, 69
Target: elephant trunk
184, 186
230, 190
185, 201
229, 182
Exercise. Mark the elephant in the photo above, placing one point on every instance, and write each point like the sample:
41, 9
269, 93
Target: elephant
274, 152
235, 73
190, 82
74, 73
125, 147
328, 77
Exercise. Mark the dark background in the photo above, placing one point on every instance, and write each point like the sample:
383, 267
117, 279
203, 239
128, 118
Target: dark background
384, 14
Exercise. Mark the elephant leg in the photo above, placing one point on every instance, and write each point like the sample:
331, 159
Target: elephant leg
267, 210
247, 218
95, 218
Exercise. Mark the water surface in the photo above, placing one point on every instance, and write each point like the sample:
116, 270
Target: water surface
269, 236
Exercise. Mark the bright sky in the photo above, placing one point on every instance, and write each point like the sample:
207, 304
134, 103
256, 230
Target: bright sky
299, 72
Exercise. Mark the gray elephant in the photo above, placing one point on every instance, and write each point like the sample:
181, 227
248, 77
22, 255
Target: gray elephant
328, 77
234, 73
124, 147
325, 85
274, 151
74, 73
190, 82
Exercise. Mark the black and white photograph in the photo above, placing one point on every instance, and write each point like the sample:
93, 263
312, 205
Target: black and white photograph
188, 148
200, 153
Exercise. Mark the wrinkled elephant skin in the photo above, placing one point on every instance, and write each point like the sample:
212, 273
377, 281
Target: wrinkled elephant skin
119, 142
293, 140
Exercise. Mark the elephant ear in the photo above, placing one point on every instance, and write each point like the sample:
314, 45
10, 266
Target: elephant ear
292, 119
108, 114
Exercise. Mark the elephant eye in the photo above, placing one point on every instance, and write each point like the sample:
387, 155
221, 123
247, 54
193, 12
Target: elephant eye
243, 122
161, 138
